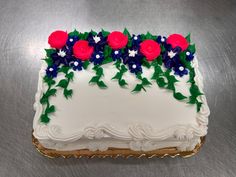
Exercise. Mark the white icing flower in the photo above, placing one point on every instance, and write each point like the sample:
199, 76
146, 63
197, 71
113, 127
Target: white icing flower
134, 66
132, 53
181, 68
76, 63
61, 53
96, 39
171, 54
97, 56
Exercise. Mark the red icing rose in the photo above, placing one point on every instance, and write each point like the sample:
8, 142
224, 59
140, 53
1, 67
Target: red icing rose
117, 40
82, 50
150, 49
177, 40
57, 39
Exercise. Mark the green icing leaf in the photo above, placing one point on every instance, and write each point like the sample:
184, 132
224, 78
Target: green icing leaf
179, 96
49, 61
122, 82
86, 64
159, 60
63, 83
199, 104
107, 51
68, 93
192, 48
83, 36
123, 69
107, 60
94, 79
101, 84
64, 69
94, 33
99, 71
188, 38
44, 118
49, 80
149, 36
163, 49
70, 75
146, 63
44, 99
183, 60
137, 88
117, 64
51, 92
74, 33
145, 82
126, 32
194, 90
49, 52
161, 82
105, 33
143, 37
50, 109
118, 76
192, 100
191, 75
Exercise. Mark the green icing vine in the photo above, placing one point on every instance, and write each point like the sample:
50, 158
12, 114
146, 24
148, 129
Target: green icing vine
97, 78
121, 70
63, 83
45, 99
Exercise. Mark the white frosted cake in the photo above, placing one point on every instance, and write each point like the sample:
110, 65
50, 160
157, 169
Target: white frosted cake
114, 92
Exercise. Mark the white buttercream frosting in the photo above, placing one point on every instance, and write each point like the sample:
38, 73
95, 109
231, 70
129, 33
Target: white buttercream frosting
97, 119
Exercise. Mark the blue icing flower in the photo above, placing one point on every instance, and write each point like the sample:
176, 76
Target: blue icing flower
171, 57
180, 70
132, 54
135, 67
161, 39
136, 40
71, 40
116, 55
189, 56
97, 41
77, 65
97, 58
62, 56
51, 71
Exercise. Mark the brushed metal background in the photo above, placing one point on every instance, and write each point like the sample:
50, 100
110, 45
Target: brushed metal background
24, 28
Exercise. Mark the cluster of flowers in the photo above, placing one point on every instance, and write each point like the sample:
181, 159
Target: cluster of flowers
73, 51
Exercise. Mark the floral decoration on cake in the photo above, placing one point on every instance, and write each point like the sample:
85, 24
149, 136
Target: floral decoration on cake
170, 57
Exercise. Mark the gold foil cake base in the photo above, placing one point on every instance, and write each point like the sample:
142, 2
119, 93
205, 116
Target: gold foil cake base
116, 152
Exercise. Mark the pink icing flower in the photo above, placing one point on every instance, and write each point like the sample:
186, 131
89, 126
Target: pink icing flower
150, 49
82, 50
177, 40
57, 39
117, 40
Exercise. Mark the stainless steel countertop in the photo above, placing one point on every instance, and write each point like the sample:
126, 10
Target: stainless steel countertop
24, 28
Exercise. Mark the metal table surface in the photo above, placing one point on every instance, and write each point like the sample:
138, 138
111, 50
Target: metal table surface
24, 28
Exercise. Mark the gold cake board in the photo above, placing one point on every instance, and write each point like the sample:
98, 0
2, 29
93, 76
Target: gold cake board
116, 152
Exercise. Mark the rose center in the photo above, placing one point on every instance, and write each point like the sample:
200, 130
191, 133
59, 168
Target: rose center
149, 48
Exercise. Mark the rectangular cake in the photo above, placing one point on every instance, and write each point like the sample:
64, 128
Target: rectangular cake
119, 94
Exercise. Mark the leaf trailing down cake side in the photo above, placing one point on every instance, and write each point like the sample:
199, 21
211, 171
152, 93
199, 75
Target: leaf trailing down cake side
170, 57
